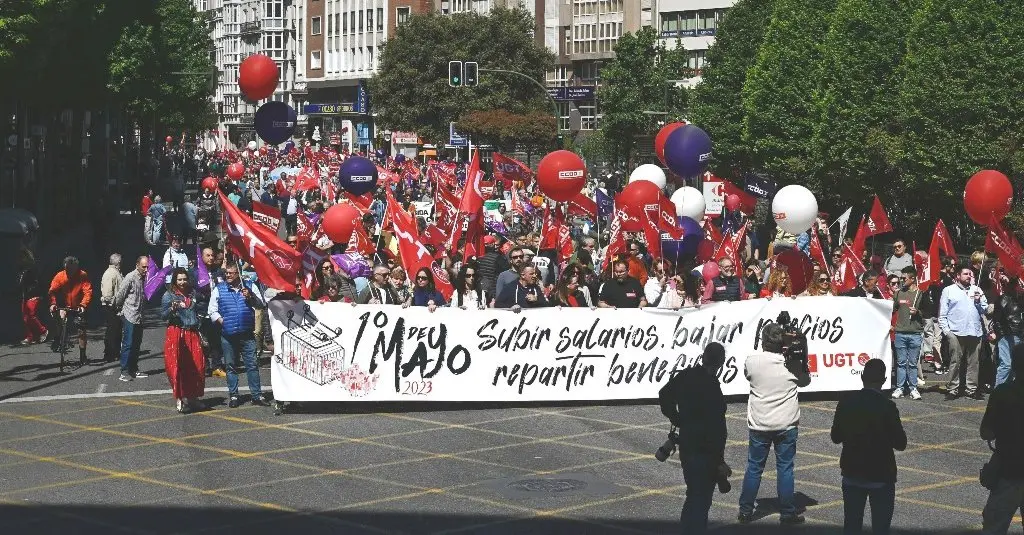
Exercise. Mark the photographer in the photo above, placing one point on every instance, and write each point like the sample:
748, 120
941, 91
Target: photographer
773, 414
1003, 476
692, 400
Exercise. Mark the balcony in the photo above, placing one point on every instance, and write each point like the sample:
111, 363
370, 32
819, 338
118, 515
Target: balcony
251, 28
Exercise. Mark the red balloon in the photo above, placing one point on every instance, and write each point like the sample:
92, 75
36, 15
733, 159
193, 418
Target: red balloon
705, 250
732, 202
263, 149
236, 170
169, 139
988, 193
209, 183
710, 270
659, 140
339, 222
561, 175
634, 200
258, 77
800, 268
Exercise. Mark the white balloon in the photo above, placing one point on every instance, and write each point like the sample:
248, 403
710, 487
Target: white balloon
795, 209
689, 202
252, 145
651, 173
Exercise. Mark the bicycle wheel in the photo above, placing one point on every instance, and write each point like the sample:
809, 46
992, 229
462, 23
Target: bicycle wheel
63, 341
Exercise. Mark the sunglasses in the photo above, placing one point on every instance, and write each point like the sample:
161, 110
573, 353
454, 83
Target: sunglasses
516, 256
468, 275
823, 279
422, 278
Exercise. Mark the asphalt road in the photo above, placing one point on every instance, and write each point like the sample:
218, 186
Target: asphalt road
82, 452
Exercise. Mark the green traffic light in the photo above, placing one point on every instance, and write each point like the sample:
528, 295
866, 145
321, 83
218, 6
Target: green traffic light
455, 79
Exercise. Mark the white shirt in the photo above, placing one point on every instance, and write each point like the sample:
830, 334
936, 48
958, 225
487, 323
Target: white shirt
773, 404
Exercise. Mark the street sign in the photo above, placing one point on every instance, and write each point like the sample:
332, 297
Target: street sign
456, 139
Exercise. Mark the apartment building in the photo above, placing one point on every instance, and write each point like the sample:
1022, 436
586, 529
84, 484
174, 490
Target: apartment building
692, 24
240, 28
338, 46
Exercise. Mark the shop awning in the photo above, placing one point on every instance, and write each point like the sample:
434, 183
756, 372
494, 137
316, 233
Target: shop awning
428, 153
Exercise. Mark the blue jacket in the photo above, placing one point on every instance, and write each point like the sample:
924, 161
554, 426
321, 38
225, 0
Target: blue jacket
238, 315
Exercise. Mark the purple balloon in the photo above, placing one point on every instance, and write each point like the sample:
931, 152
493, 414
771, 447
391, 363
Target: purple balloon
289, 146
692, 234
400, 158
358, 175
687, 151
275, 122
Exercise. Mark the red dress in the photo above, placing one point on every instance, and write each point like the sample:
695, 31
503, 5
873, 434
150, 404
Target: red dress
184, 360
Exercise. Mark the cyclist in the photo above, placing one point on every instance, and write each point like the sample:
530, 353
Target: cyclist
71, 291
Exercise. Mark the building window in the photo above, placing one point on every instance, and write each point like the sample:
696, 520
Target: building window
315, 60
344, 25
369, 20
314, 26
360, 21
380, 19
402, 14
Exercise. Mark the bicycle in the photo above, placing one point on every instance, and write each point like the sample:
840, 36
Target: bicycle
63, 341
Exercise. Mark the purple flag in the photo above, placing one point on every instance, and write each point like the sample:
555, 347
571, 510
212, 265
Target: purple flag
202, 272
605, 204
495, 225
154, 278
353, 264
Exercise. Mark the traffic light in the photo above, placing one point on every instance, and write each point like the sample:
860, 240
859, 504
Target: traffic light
471, 74
455, 73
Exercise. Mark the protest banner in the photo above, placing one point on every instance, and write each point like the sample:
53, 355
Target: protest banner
266, 215
340, 352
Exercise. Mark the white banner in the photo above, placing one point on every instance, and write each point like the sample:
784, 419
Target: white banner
341, 352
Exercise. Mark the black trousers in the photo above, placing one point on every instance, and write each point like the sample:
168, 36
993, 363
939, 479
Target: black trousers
111, 334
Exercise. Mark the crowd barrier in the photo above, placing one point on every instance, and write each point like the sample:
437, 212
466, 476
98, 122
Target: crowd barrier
340, 352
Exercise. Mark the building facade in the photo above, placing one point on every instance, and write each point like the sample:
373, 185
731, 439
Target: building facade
240, 28
692, 24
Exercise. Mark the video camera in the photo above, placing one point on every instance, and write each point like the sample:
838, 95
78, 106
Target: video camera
669, 447
793, 343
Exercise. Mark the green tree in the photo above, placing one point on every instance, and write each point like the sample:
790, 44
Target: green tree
506, 130
718, 101
145, 59
778, 95
410, 90
856, 99
637, 80
955, 113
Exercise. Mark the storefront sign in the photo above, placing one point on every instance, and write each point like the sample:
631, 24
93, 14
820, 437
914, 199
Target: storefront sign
332, 108
404, 138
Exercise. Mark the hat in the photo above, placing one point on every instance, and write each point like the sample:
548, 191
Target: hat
490, 240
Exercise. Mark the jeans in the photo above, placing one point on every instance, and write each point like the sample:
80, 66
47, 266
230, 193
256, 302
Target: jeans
1002, 504
757, 455
699, 473
883, 501
1006, 345
240, 346
908, 350
131, 340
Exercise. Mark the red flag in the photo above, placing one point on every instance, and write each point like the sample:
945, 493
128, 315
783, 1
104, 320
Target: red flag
844, 278
732, 246
941, 235
517, 202
817, 253
555, 234
411, 251
361, 202
266, 215
616, 239
472, 199
652, 235
433, 235
306, 180
311, 258
923, 264
361, 243
712, 232
747, 201
303, 228
275, 262
583, 206
506, 168
878, 221
1005, 246
861, 238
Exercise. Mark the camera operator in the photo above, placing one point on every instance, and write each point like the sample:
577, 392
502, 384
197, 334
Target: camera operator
692, 400
773, 414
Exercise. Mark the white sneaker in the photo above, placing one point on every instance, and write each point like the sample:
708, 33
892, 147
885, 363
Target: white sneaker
920, 381
914, 394
898, 393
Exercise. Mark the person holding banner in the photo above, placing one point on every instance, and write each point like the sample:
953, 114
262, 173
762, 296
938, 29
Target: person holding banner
912, 307
468, 293
379, 291
525, 293
622, 290
424, 293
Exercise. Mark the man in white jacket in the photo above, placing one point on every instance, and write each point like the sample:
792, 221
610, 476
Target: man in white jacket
773, 416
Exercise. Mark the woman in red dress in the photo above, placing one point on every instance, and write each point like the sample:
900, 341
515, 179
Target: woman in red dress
183, 350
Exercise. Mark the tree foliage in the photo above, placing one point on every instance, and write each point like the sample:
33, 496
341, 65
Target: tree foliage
718, 101
778, 95
505, 130
410, 90
637, 80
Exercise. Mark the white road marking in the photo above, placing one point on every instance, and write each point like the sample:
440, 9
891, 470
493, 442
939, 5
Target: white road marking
102, 388
62, 397
109, 372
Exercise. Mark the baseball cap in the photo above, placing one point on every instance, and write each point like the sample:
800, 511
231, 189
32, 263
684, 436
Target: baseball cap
490, 240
